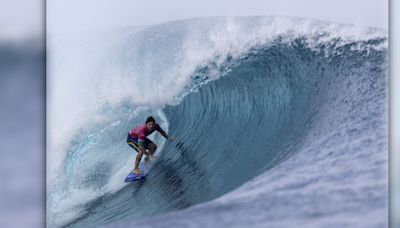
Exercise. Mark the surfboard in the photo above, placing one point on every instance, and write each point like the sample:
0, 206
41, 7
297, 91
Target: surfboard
134, 177
144, 168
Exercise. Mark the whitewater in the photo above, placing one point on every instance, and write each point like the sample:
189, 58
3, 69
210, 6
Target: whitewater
279, 122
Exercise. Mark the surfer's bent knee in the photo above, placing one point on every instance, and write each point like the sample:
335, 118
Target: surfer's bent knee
139, 155
153, 146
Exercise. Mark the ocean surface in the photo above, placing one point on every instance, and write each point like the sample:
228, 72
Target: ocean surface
279, 122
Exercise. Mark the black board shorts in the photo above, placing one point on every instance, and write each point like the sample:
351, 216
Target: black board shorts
133, 142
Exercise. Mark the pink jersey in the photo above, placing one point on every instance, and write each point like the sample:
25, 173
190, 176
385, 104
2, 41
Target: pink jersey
141, 132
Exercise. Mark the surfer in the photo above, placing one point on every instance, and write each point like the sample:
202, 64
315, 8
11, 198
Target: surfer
137, 139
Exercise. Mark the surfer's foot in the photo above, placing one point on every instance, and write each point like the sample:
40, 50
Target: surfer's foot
152, 157
136, 171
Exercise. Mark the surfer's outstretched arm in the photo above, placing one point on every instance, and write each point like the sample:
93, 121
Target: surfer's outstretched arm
163, 133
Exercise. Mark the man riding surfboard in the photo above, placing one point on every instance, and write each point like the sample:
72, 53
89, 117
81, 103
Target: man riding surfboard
137, 139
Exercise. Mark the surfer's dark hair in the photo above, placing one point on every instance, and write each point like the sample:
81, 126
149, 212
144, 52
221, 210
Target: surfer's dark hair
150, 119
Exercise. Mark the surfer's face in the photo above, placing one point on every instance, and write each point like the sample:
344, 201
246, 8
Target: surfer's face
150, 126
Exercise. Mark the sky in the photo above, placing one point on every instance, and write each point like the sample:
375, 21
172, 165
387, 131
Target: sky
21, 19
94, 14
26, 18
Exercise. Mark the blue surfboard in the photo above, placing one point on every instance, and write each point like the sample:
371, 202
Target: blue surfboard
134, 177
144, 168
